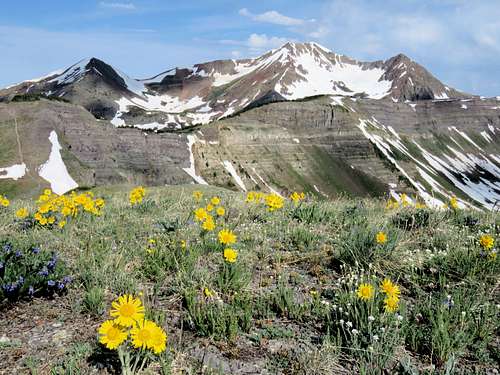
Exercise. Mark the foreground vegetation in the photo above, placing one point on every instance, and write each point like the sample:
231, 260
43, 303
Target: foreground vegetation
247, 284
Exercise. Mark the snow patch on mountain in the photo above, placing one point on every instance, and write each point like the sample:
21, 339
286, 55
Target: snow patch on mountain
54, 170
72, 74
486, 136
318, 75
441, 96
466, 137
14, 172
191, 170
230, 168
158, 78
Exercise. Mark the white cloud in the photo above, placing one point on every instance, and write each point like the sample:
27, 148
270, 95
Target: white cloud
121, 6
273, 17
319, 32
262, 41
257, 42
417, 30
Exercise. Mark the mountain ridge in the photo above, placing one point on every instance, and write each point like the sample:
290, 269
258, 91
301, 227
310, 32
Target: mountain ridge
299, 117
180, 97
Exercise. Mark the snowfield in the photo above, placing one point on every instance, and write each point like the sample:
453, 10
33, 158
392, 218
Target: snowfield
457, 167
54, 170
14, 172
230, 168
191, 170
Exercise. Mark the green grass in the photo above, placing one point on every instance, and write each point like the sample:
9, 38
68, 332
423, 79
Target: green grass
288, 304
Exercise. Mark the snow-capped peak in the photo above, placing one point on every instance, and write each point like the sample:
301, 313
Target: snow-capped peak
212, 90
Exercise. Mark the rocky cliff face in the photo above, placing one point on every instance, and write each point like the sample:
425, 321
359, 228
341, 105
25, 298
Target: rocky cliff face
94, 152
299, 117
435, 149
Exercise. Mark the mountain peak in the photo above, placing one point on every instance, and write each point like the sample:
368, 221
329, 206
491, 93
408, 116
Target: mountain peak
302, 46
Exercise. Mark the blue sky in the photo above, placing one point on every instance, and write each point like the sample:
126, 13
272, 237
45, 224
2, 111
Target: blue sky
457, 40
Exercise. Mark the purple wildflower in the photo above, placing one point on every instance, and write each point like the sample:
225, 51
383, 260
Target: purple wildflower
51, 283
9, 288
51, 264
44, 272
35, 250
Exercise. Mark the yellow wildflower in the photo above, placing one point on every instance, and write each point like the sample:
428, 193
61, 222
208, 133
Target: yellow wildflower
220, 211
207, 292
127, 310
5, 202
389, 288
62, 224
297, 197
22, 213
404, 200
210, 207
43, 198
66, 211
44, 208
381, 238
274, 202
111, 334
392, 204
250, 197
454, 203
365, 291
230, 255
215, 201
419, 205
142, 334
158, 341
197, 195
200, 214
391, 304
486, 241
209, 223
227, 237
137, 195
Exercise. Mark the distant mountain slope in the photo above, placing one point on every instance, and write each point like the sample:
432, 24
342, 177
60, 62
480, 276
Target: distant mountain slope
299, 117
